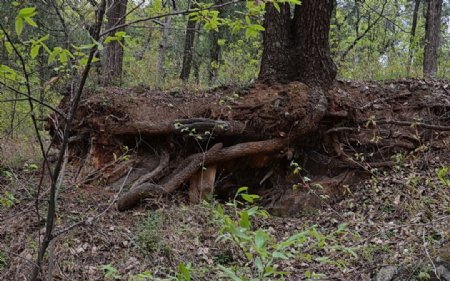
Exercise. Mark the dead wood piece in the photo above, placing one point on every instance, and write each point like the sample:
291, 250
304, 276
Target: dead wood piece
216, 127
201, 184
193, 163
155, 174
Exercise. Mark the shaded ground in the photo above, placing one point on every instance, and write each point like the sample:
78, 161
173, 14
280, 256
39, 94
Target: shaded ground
399, 218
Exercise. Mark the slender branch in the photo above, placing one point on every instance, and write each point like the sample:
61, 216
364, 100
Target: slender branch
48, 236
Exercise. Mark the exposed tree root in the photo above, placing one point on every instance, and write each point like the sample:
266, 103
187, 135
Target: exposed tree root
193, 164
354, 127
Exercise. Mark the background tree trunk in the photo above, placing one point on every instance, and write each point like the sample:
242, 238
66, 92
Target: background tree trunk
412, 36
188, 49
162, 49
214, 57
298, 49
432, 31
113, 54
214, 54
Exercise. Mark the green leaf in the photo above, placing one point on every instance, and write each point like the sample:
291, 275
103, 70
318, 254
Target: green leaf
260, 238
295, 2
259, 264
276, 6
250, 198
9, 47
258, 27
27, 12
110, 39
184, 271
63, 58
56, 51
242, 189
43, 38
35, 51
7, 70
30, 21
279, 255
229, 273
342, 227
245, 220
120, 34
350, 251
83, 47
19, 25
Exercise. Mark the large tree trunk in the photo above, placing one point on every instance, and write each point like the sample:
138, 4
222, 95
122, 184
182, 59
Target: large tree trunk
188, 49
312, 58
432, 31
297, 49
277, 45
113, 54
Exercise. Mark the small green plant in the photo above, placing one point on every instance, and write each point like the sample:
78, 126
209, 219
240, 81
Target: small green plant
30, 168
262, 252
443, 175
7, 174
148, 237
144, 276
2, 260
399, 159
110, 272
424, 273
184, 272
7, 199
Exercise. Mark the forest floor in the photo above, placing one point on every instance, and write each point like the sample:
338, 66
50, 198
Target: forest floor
392, 226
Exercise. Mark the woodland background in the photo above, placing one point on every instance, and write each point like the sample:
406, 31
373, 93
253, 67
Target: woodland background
386, 129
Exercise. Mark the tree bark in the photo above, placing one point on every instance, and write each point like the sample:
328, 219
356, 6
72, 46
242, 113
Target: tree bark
412, 35
113, 54
432, 32
277, 40
297, 49
312, 51
188, 49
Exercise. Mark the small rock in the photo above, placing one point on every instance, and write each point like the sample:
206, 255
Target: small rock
386, 273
